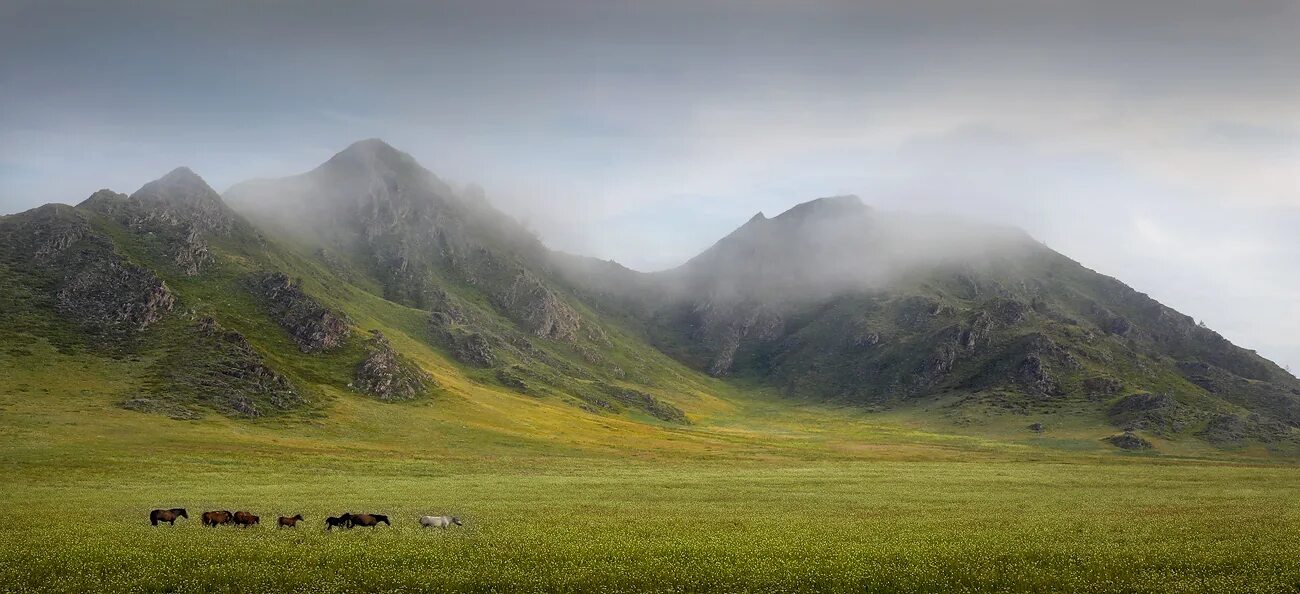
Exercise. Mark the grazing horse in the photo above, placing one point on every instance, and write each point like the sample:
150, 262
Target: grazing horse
286, 522
245, 519
371, 520
439, 521
167, 515
213, 519
341, 522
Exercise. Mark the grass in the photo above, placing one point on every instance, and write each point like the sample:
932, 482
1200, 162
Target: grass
610, 526
761, 495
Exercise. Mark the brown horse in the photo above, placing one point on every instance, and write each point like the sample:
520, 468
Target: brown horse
285, 522
245, 519
167, 515
371, 520
213, 519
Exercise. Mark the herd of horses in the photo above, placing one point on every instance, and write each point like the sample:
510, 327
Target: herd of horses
245, 519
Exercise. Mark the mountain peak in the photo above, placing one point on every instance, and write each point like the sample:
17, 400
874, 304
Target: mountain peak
182, 174
180, 184
828, 206
372, 154
370, 146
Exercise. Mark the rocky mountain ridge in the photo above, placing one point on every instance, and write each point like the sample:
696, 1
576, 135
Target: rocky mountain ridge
267, 307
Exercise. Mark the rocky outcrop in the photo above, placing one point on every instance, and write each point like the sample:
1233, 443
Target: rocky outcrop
1157, 413
181, 199
215, 367
313, 326
723, 328
1129, 441
173, 213
1235, 430
449, 327
537, 308
107, 294
89, 282
387, 375
1266, 398
45, 233
474, 349
189, 252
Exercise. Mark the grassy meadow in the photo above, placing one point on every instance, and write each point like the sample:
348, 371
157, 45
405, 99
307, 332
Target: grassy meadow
758, 495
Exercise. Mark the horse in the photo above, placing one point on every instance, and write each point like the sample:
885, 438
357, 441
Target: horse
245, 519
167, 515
371, 520
340, 522
213, 519
285, 522
439, 521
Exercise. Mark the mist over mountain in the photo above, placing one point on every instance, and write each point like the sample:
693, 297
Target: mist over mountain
271, 298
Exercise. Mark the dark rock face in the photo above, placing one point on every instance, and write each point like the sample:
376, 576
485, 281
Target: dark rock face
46, 232
387, 375
215, 367
1233, 430
449, 327
1033, 375
89, 281
474, 349
724, 328
538, 308
112, 295
313, 326
1129, 441
1265, 398
1158, 413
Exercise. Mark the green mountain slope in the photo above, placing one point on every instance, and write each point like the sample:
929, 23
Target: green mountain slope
368, 282
215, 316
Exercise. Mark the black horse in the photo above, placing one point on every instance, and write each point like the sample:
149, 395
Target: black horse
167, 515
343, 521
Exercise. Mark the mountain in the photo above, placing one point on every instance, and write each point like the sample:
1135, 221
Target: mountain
836, 301
370, 279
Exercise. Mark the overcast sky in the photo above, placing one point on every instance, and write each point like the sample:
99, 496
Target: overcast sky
1155, 141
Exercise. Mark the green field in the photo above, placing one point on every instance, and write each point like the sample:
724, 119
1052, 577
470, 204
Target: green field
768, 497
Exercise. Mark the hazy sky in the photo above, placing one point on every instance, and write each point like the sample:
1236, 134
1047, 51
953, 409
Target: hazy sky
1155, 141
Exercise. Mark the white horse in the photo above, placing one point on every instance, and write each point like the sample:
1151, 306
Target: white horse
439, 521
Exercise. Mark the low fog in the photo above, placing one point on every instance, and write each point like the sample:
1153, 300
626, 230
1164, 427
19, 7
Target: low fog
1156, 141
838, 245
